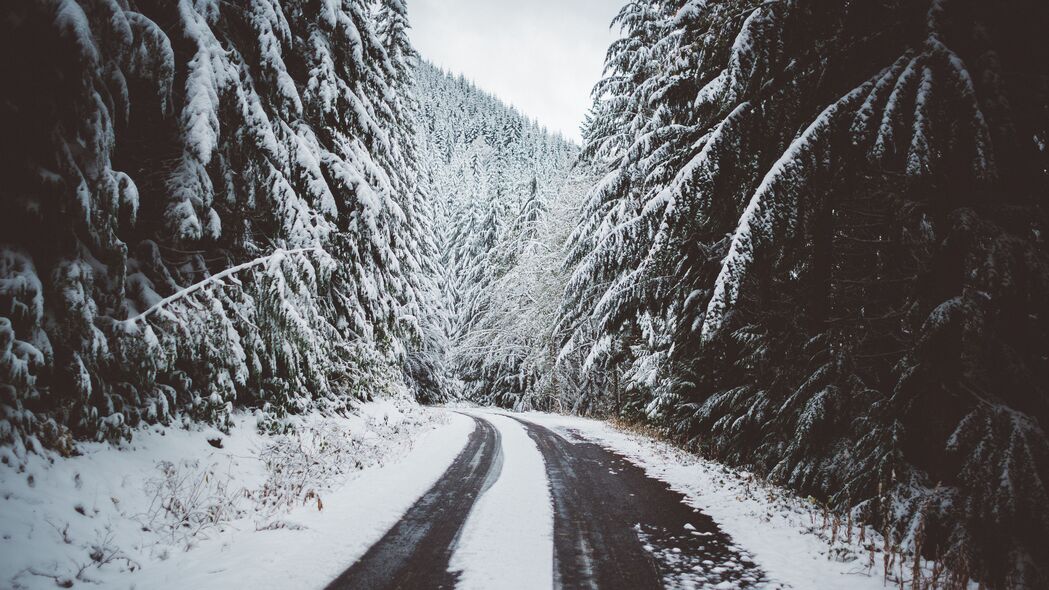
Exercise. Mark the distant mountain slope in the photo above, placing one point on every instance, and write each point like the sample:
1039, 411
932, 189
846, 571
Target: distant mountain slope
494, 177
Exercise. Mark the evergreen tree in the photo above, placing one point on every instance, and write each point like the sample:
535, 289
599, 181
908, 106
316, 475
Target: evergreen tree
208, 205
806, 250
493, 174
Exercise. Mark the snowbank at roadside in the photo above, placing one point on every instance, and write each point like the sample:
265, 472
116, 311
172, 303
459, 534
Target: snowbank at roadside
171, 509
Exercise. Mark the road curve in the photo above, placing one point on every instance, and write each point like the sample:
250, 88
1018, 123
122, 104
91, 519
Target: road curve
614, 527
415, 553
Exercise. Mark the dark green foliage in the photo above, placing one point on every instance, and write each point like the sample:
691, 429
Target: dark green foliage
818, 251
150, 146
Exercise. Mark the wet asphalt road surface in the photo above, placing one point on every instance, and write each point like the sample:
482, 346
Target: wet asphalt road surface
415, 553
614, 527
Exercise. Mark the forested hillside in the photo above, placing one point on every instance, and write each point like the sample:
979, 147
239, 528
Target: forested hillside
817, 250
206, 205
504, 201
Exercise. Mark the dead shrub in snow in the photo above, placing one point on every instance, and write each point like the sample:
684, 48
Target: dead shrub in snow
102, 551
310, 458
188, 499
302, 462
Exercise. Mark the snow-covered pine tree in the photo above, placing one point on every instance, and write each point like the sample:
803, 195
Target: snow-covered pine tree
513, 340
205, 205
818, 228
425, 321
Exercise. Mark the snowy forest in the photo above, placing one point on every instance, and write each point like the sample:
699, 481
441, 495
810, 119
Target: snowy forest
805, 239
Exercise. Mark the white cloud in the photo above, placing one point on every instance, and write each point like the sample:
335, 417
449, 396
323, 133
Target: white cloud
542, 56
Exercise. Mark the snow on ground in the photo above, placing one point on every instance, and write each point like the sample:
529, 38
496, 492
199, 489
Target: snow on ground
171, 510
780, 531
507, 541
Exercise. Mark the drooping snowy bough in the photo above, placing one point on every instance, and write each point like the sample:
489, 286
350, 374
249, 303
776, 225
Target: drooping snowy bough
206, 205
818, 251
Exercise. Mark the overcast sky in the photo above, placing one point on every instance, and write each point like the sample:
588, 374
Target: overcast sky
542, 56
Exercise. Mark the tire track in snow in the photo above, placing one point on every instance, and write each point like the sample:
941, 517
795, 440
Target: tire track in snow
507, 542
416, 552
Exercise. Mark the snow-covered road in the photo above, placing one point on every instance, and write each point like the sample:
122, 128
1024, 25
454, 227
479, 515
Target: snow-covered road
566, 502
523, 506
615, 527
434, 498
415, 553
